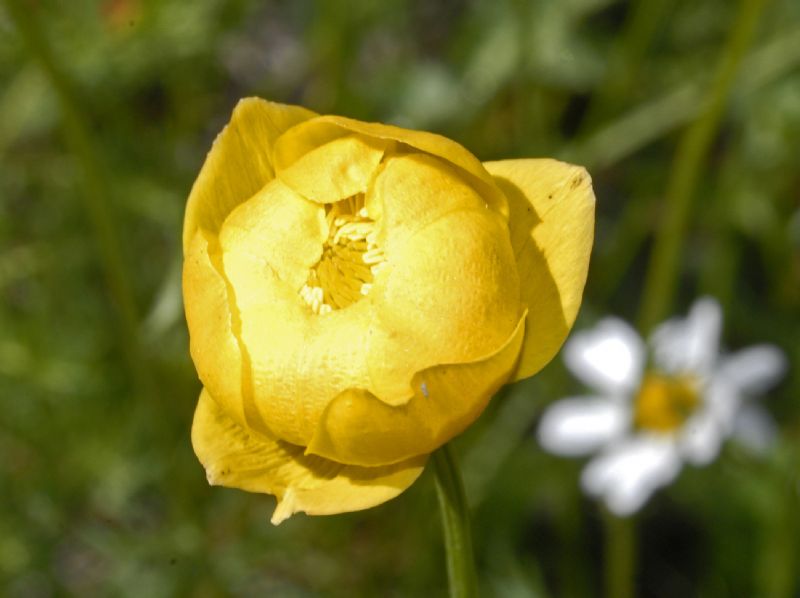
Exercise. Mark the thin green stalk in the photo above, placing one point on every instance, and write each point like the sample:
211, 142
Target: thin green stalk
455, 521
96, 191
777, 568
779, 521
620, 556
662, 273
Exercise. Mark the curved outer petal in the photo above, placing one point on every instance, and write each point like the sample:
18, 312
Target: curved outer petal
609, 357
333, 171
311, 134
551, 206
239, 163
236, 457
450, 290
581, 425
358, 428
213, 343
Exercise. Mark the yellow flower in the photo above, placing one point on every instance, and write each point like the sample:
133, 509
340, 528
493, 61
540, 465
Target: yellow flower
356, 293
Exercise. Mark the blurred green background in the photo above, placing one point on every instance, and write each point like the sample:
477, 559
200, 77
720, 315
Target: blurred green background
107, 109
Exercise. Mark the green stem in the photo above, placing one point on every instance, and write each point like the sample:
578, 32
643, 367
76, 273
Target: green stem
96, 191
620, 556
777, 573
662, 273
779, 520
455, 521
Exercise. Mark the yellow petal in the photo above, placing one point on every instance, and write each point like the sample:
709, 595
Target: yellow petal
360, 429
296, 360
552, 228
450, 295
278, 231
335, 170
236, 457
414, 190
314, 132
239, 163
212, 341
451, 292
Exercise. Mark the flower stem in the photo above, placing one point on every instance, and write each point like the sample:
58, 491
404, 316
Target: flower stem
776, 574
620, 556
662, 273
455, 522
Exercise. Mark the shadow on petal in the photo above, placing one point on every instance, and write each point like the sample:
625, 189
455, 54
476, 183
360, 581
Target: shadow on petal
551, 224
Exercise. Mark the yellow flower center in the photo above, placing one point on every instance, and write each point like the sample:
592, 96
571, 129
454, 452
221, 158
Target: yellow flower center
350, 258
664, 403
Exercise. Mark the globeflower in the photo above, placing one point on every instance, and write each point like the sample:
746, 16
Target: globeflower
655, 410
355, 294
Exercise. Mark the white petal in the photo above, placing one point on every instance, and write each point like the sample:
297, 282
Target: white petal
689, 344
754, 369
723, 399
701, 438
608, 357
755, 429
578, 426
627, 475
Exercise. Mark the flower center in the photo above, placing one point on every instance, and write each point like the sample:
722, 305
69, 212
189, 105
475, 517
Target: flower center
350, 258
664, 403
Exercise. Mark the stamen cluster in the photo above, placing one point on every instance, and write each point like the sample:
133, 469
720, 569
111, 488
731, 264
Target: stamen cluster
350, 258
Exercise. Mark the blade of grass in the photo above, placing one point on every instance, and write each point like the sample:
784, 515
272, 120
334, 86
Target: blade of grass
662, 273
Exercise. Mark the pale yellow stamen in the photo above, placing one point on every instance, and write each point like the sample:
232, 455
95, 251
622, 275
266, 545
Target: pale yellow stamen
664, 403
351, 258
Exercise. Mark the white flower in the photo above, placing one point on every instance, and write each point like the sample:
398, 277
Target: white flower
654, 411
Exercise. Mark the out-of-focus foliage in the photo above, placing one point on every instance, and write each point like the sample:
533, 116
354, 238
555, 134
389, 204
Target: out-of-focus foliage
100, 493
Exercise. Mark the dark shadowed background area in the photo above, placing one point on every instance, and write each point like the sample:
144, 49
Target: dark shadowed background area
107, 109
